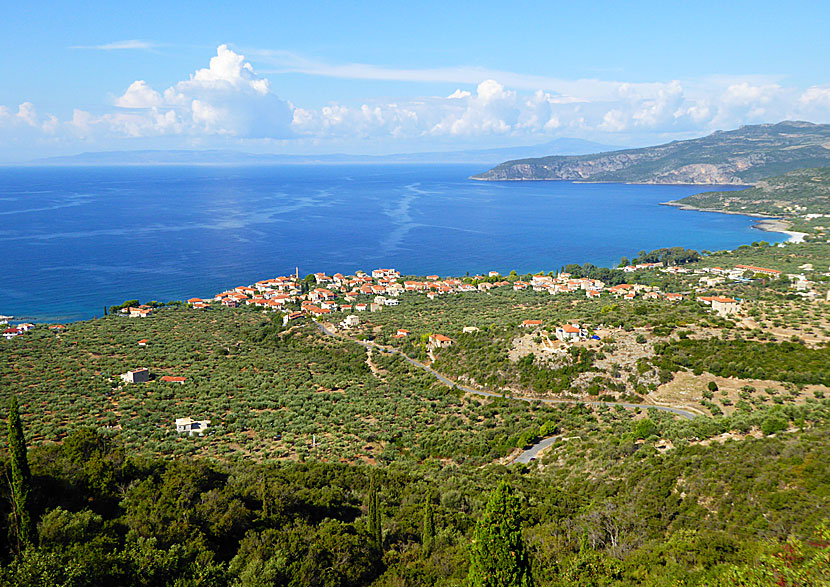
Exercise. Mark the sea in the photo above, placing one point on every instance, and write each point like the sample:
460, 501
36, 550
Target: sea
76, 239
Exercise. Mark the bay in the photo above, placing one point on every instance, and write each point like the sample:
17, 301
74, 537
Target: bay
74, 239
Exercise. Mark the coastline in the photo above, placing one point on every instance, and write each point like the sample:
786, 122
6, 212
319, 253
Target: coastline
596, 181
765, 223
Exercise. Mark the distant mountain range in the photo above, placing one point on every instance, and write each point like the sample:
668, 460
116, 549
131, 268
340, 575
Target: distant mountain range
563, 146
741, 156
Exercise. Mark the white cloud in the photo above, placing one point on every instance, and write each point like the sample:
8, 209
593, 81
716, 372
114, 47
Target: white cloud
120, 45
229, 102
27, 113
815, 97
226, 98
139, 95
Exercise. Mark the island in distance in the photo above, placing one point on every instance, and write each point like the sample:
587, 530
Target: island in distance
561, 146
740, 156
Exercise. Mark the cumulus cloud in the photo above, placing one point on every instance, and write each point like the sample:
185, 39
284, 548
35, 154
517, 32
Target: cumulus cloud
228, 100
139, 95
225, 98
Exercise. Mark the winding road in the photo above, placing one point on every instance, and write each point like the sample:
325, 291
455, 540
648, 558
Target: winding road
371, 345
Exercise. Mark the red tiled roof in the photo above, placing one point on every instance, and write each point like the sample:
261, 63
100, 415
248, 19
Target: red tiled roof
758, 269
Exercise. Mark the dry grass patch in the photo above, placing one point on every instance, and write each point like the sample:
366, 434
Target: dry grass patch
687, 390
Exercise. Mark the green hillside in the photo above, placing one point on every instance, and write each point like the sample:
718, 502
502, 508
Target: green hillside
741, 156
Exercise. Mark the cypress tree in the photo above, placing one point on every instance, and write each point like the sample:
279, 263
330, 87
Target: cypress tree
375, 531
498, 557
428, 535
21, 481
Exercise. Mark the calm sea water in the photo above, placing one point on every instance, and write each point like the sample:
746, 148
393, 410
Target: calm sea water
75, 239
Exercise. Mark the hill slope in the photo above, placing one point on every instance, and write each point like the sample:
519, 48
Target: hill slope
740, 156
794, 194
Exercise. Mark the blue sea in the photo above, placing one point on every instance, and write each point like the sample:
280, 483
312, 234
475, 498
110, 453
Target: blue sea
76, 239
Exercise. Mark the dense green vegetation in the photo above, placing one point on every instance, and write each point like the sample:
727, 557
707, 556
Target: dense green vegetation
267, 392
327, 463
606, 509
797, 192
786, 361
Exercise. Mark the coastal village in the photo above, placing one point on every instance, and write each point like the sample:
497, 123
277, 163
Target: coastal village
319, 295
342, 305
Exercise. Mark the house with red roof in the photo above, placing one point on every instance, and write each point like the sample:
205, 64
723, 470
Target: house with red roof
10, 333
439, 341
725, 306
173, 379
293, 316
570, 333
770, 272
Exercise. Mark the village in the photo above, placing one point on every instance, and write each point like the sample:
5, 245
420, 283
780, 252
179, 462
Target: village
297, 298
337, 301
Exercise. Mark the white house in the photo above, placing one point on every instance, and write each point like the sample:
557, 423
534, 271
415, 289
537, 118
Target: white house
570, 332
439, 341
350, 322
725, 306
191, 426
136, 376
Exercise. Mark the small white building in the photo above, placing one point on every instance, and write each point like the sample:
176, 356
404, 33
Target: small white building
191, 426
725, 306
136, 376
439, 341
570, 332
350, 322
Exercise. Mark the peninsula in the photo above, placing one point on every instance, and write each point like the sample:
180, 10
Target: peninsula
799, 200
739, 157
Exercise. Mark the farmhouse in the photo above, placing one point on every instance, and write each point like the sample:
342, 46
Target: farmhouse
136, 376
570, 332
725, 306
439, 341
10, 333
291, 317
173, 379
191, 426
350, 322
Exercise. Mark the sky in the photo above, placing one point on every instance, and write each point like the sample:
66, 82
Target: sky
392, 77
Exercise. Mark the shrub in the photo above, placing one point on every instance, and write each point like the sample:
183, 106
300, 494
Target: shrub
773, 424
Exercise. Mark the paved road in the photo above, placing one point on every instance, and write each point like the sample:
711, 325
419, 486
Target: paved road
371, 345
534, 450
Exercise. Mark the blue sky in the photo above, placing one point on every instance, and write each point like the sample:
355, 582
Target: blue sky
379, 77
